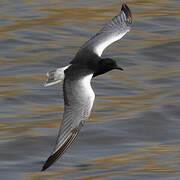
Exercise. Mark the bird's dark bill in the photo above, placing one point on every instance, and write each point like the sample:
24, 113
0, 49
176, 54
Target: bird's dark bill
120, 68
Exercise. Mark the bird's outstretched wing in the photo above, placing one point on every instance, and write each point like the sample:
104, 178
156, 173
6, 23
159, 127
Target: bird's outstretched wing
78, 98
113, 30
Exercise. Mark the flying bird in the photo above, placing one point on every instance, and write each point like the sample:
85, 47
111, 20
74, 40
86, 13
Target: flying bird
76, 77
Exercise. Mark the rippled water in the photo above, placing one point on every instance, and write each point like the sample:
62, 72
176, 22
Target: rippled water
134, 129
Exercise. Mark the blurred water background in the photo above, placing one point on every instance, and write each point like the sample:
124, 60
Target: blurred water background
134, 129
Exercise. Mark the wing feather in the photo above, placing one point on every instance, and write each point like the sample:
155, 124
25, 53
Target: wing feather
79, 98
113, 30
61, 149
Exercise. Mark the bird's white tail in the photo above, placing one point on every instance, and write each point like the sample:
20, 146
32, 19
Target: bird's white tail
55, 76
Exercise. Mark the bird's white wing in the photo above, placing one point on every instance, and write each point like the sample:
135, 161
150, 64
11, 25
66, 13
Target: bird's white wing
78, 98
113, 30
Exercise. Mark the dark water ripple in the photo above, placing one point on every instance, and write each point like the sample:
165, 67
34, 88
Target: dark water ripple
133, 132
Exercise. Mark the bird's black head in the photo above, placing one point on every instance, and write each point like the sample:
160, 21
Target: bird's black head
106, 65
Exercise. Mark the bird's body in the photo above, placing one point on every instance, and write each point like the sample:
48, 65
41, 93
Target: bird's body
77, 90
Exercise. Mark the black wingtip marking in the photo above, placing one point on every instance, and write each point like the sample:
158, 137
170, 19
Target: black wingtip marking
59, 153
51, 160
62, 149
127, 12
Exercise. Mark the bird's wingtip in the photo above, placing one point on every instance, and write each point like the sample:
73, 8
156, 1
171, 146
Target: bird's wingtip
48, 163
43, 169
52, 158
127, 12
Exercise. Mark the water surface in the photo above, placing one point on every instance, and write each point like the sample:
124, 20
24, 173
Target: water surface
133, 132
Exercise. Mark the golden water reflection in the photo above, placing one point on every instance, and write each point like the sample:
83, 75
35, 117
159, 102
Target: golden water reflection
152, 159
44, 35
